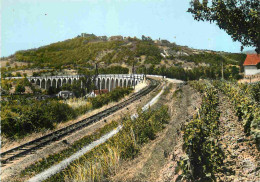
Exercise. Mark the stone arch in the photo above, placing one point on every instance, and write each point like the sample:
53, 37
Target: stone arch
103, 84
112, 84
59, 83
116, 84
129, 83
69, 81
64, 81
125, 83
136, 82
121, 83
43, 83
54, 83
38, 82
48, 83
32, 81
108, 84
74, 80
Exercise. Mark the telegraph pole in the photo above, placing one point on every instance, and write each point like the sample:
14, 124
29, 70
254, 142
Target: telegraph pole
222, 72
96, 77
145, 72
133, 72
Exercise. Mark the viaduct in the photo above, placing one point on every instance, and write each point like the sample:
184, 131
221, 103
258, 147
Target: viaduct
108, 81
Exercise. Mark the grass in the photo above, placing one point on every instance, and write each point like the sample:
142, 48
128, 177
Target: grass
103, 161
168, 88
77, 102
56, 158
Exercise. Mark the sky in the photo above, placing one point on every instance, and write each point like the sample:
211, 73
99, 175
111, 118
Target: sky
27, 24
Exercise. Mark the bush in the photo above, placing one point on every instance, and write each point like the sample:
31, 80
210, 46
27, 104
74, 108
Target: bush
19, 88
200, 138
115, 95
23, 117
98, 164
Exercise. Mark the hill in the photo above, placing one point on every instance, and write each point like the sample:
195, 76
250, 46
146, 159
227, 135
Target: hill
154, 57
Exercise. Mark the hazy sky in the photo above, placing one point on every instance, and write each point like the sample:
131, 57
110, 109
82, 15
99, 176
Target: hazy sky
32, 23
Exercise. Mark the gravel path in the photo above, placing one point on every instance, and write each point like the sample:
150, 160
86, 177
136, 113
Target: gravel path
241, 156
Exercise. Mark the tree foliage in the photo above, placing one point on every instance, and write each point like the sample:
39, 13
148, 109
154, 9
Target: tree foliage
239, 18
19, 88
21, 116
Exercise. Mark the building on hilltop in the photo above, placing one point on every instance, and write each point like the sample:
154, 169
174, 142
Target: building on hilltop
87, 35
117, 38
251, 64
103, 38
158, 42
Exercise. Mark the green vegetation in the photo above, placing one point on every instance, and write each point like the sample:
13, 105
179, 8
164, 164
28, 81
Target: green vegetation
246, 107
252, 90
115, 95
226, 14
63, 54
200, 139
19, 89
201, 72
56, 158
98, 164
82, 54
215, 59
107, 70
204, 156
79, 87
19, 85
77, 52
149, 49
22, 116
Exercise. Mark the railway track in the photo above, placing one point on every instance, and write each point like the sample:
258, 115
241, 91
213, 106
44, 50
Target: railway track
38, 143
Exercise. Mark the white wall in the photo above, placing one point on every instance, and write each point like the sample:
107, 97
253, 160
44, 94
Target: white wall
251, 70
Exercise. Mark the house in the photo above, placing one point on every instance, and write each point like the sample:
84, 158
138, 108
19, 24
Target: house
118, 38
65, 94
87, 35
251, 64
103, 38
94, 93
157, 42
102, 91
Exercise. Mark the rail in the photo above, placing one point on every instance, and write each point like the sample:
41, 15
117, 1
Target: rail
33, 145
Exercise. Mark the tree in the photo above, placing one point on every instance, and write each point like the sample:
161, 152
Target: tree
239, 18
18, 74
51, 90
258, 65
19, 88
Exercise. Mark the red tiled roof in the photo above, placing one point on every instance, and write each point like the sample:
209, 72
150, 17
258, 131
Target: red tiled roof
252, 59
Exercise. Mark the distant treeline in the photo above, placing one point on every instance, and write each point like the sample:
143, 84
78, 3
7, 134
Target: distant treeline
202, 72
